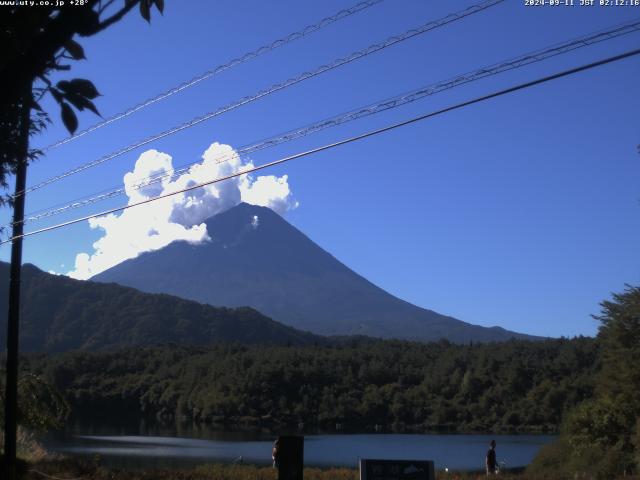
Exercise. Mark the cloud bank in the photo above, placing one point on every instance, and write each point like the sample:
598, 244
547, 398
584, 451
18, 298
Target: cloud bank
181, 217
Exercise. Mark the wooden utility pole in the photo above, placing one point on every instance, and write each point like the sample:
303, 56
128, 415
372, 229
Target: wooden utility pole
13, 322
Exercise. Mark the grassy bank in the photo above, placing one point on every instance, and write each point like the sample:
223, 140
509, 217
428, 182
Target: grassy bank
73, 470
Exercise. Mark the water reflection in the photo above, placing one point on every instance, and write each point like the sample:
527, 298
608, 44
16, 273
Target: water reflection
162, 447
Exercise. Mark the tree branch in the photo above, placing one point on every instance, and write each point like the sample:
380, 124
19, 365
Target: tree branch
105, 6
114, 18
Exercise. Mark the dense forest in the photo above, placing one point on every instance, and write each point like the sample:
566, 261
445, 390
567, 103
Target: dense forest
361, 384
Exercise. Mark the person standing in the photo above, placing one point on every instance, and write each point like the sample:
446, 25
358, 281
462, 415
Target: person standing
274, 454
490, 461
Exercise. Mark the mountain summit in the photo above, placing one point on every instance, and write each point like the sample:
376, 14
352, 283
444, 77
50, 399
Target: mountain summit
255, 258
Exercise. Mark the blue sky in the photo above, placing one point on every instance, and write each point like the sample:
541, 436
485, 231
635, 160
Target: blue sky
522, 212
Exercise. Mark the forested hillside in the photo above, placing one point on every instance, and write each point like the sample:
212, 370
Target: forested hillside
515, 386
59, 313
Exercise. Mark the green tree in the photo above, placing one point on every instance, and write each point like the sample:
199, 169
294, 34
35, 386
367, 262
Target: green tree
41, 405
601, 436
618, 383
619, 334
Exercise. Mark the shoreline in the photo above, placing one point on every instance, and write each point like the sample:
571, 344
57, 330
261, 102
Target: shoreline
275, 429
459, 452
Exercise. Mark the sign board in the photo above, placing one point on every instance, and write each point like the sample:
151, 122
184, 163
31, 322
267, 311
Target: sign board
396, 470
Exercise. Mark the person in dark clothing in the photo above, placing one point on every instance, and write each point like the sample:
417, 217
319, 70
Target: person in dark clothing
490, 461
274, 454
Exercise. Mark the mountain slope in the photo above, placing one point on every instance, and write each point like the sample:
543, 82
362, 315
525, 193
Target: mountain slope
59, 313
256, 258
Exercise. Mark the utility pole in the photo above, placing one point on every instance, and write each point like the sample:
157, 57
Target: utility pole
13, 322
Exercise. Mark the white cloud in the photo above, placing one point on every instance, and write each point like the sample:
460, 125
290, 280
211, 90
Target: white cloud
268, 191
156, 224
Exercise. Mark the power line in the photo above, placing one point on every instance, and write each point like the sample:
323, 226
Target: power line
388, 104
371, 133
221, 68
275, 88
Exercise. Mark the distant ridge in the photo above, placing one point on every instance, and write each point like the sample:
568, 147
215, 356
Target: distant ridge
258, 259
59, 314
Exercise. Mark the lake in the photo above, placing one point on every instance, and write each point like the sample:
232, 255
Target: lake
460, 452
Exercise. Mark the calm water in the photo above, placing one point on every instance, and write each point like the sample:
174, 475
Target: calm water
462, 452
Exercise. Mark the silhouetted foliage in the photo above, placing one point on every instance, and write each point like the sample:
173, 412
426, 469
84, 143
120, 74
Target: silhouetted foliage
37, 41
513, 386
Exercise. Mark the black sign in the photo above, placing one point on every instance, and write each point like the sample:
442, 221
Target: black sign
396, 470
